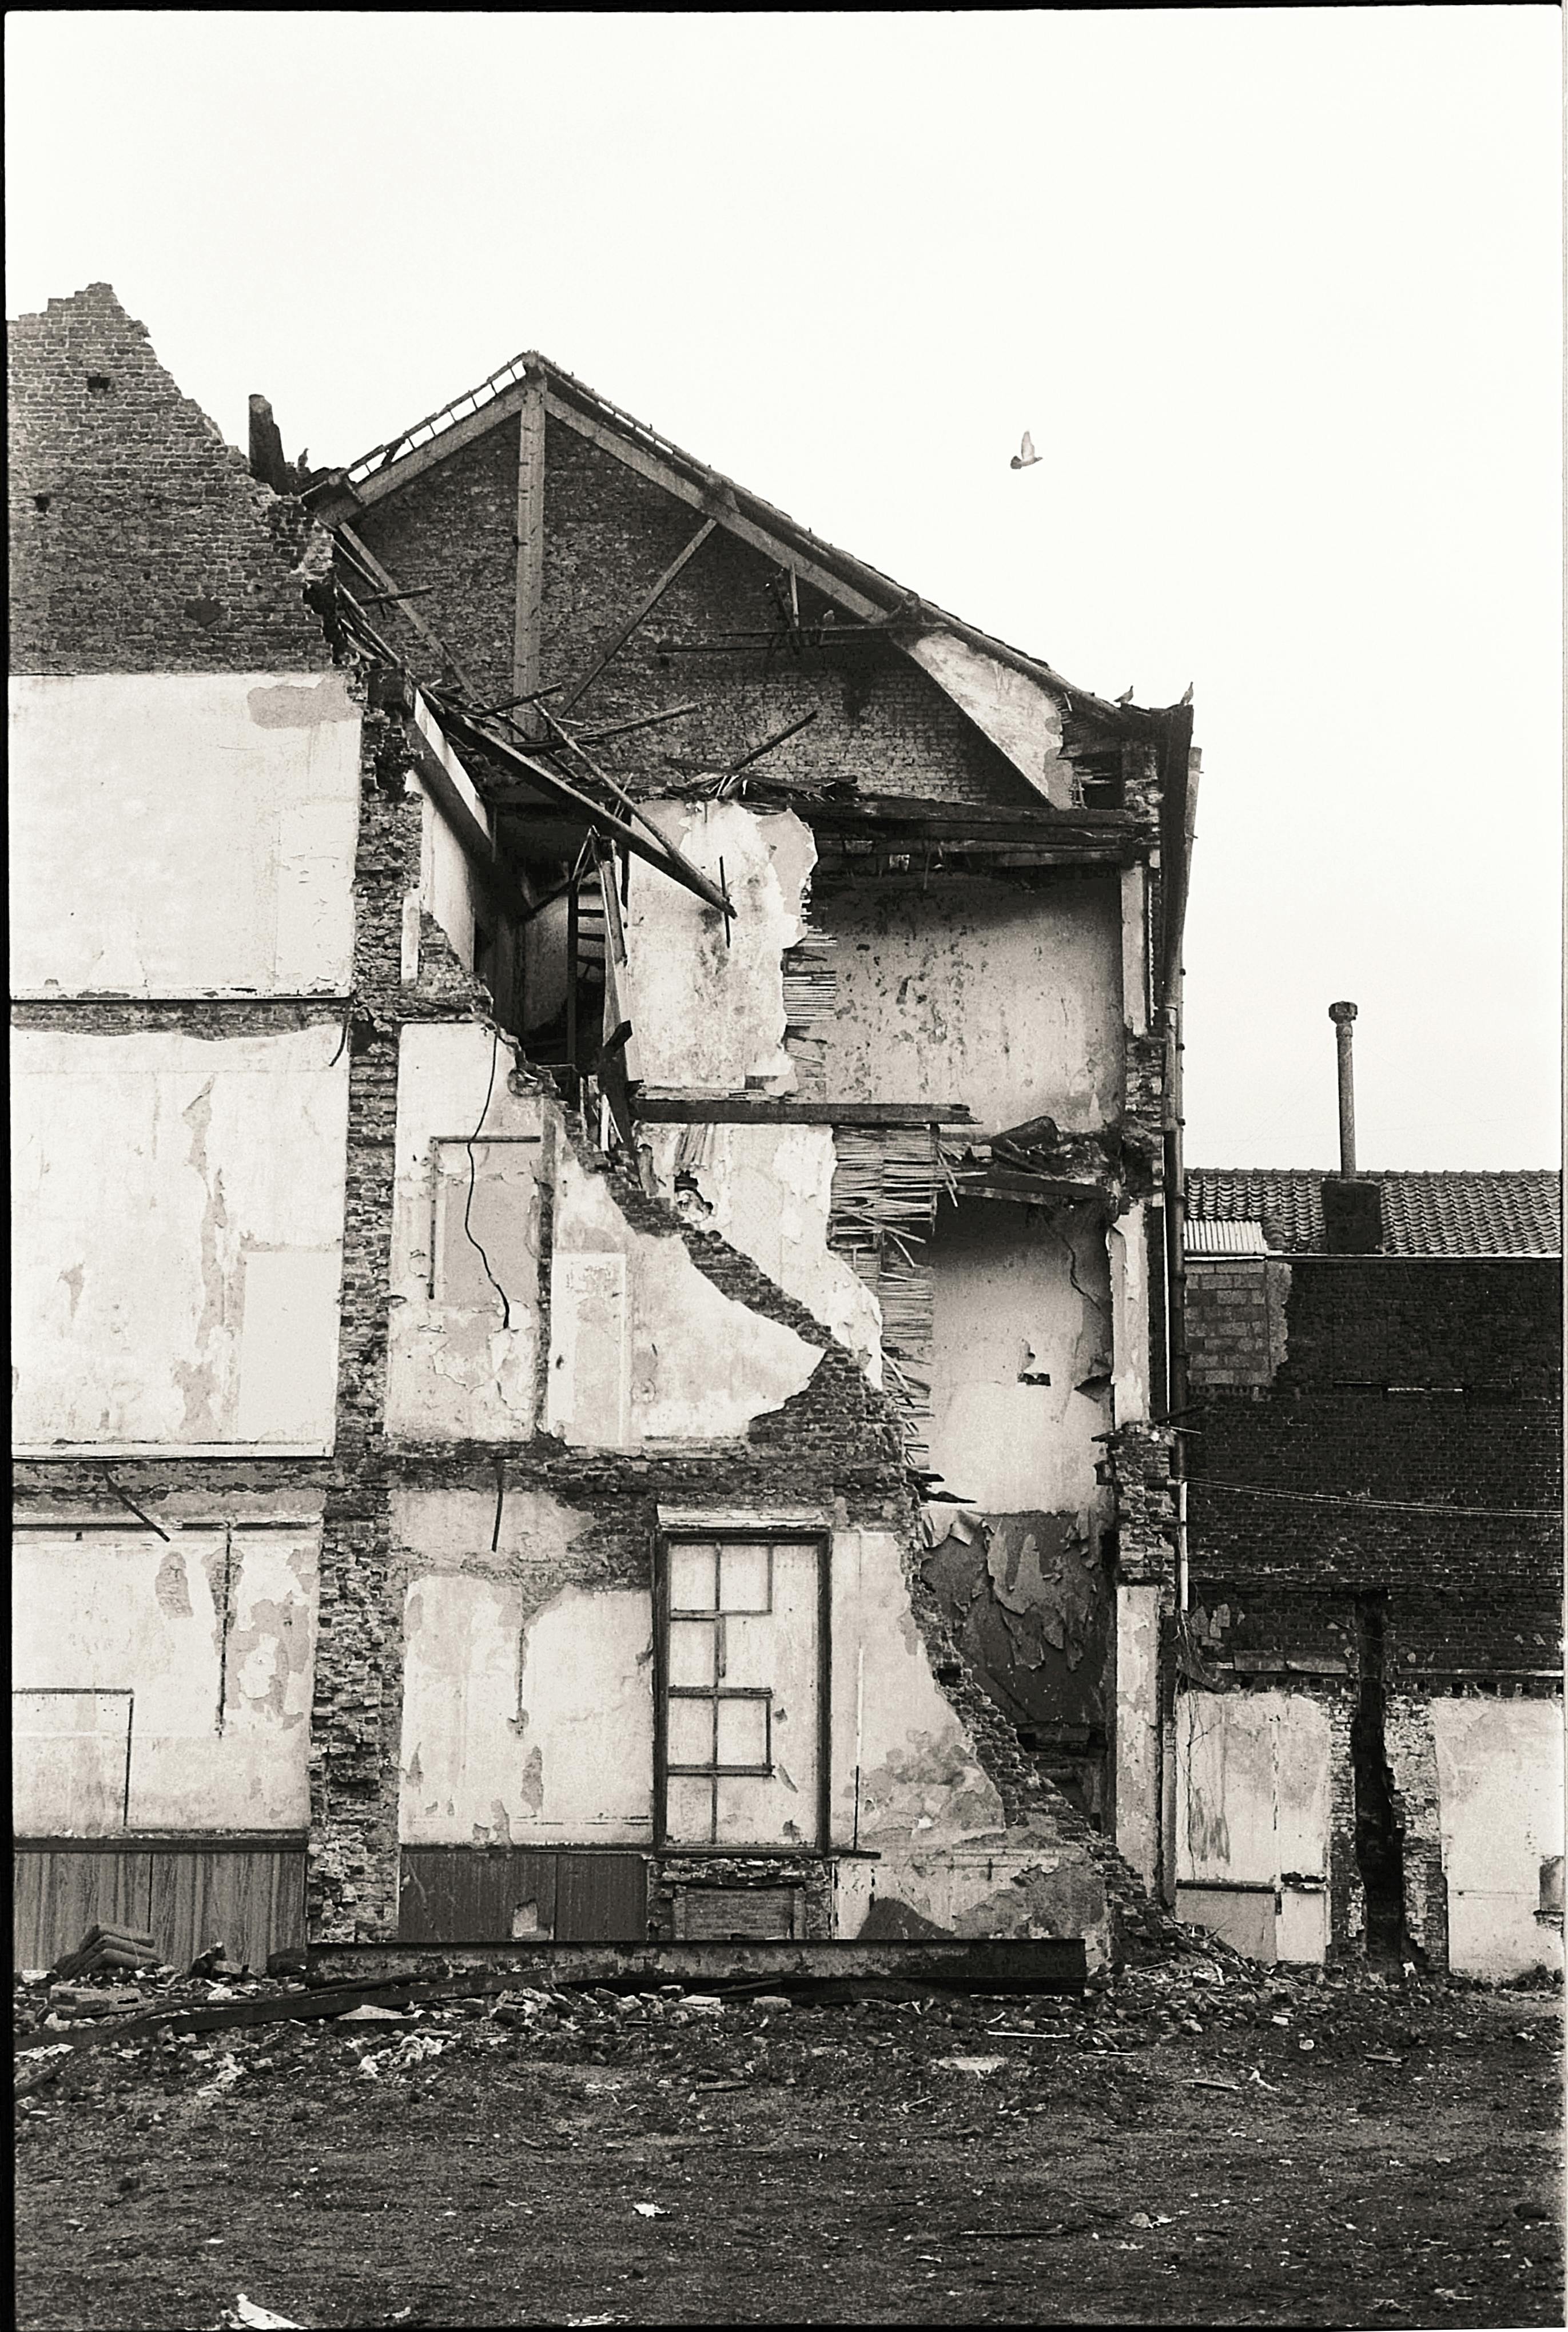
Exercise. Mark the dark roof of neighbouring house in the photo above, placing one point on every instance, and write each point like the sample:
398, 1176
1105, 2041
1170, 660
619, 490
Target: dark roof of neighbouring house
1517, 1212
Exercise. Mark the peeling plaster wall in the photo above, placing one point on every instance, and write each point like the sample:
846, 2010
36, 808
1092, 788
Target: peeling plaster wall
1007, 1308
642, 1346
708, 1012
526, 1732
1017, 1570
1008, 999
1019, 716
1028, 1601
1255, 1811
1136, 1741
1500, 1791
196, 1655
768, 1190
907, 1785
456, 1371
182, 834
1127, 1242
201, 1309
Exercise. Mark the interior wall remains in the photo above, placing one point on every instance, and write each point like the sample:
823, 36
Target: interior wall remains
162, 1684
1254, 1820
182, 834
202, 1310
472, 1172
1499, 1772
1005, 999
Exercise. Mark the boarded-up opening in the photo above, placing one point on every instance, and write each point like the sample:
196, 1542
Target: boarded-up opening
492, 1895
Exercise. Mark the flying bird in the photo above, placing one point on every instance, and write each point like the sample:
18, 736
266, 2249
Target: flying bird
1025, 454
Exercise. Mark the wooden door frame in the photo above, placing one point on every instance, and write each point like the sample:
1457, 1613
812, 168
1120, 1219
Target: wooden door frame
759, 1534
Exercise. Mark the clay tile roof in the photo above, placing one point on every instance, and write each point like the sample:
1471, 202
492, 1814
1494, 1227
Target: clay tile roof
1517, 1212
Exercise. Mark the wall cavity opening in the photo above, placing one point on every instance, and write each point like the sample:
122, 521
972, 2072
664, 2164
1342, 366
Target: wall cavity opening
1380, 1844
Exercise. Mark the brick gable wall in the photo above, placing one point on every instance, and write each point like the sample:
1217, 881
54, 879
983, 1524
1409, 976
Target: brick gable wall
139, 541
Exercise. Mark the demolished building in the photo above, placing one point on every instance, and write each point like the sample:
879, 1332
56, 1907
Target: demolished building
595, 1152
1369, 1722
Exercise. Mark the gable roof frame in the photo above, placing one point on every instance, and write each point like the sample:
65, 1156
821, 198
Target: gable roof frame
859, 590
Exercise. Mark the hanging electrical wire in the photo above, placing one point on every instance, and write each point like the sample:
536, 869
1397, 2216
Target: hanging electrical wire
468, 1207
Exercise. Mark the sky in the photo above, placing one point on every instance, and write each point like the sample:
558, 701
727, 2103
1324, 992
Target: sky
1277, 293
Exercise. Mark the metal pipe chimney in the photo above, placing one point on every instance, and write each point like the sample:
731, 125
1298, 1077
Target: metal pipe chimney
1342, 1015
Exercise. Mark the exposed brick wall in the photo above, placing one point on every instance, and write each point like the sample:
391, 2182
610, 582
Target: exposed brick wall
1346, 1893
1412, 1755
1487, 1329
1138, 1466
139, 541
1468, 1602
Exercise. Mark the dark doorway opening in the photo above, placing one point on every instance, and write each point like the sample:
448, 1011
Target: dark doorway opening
1379, 1842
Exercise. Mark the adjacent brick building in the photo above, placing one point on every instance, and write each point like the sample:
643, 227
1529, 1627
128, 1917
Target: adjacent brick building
1371, 1716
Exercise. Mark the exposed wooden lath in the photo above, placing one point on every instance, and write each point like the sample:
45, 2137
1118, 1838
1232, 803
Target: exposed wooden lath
886, 1183
810, 998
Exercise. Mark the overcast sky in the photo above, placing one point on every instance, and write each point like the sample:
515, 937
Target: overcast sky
1276, 291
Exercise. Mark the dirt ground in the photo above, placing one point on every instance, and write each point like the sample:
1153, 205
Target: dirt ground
1192, 2144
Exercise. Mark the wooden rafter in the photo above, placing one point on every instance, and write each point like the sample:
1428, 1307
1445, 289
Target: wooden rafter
643, 608
526, 651
718, 499
392, 591
642, 839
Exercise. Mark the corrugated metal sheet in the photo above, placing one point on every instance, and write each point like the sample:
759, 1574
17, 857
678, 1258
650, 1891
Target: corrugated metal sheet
1224, 1238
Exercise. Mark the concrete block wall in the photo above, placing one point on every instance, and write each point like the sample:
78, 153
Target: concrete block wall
1236, 1322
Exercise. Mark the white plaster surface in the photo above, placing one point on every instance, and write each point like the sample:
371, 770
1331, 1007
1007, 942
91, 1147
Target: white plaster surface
445, 883
1500, 1795
1005, 1303
182, 834
1137, 1743
768, 1190
1253, 1810
644, 1346
121, 1632
1005, 1000
1018, 714
1128, 1246
1135, 948
459, 1364
536, 1731
710, 1013
920, 1782
201, 1308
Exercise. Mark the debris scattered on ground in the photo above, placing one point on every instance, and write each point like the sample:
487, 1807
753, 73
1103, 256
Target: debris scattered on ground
245, 2315
525, 2120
